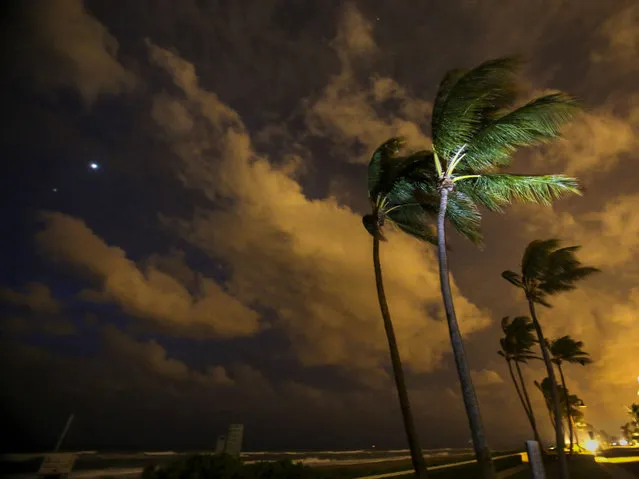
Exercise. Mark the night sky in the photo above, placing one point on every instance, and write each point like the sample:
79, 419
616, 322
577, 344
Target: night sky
211, 266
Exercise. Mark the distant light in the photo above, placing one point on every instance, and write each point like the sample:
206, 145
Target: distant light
55, 190
94, 166
623, 442
592, 445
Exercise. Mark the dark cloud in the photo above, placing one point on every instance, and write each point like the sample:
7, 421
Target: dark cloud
219, 254
60, 44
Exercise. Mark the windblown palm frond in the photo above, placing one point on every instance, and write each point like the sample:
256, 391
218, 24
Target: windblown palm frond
533, 263
465, 101
547, 269
381, 166
414, 221
518, 339
569, 350
403, 191
475, 132
493, 191
536, 122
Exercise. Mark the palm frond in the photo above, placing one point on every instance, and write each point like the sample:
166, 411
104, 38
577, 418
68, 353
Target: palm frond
565, 281
536, 122
569, 350
475, 97
380, 166
414, 221
496, 190
512, 278
539, 297
536, 255
465, 217
448, 82
518, 339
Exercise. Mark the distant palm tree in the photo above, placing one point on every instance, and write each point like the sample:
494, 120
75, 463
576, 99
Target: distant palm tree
516, 348
545, 388
633, 410
566, 349
547, 269
393, 202
627, 430
574, 414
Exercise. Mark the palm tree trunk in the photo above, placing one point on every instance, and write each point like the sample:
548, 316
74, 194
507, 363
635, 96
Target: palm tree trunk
521, 397
533, 421
554, 394
482, 452
416, 454
568, 416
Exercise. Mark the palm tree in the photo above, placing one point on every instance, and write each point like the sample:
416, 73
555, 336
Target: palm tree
574, 414
545, 388
633, 411
392, 201
627, 430
566, 349
475, 131
516, 348
547, 269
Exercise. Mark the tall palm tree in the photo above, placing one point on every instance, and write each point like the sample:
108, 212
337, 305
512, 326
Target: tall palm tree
475, 131
547, 269
516, 348
392, 201
566, 349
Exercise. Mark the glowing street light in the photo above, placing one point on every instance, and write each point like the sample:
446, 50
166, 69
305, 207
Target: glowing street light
592, 445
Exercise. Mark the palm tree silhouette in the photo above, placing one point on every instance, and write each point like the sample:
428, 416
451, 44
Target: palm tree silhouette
546, 270
395, 203
516, 349
568, 350
475, 131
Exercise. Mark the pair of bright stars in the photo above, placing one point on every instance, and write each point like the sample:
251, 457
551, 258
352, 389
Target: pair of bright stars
92, 166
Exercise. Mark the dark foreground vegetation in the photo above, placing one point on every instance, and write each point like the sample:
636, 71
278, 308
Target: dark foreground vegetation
226, 467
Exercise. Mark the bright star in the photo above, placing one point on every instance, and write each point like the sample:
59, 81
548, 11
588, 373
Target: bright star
94, 166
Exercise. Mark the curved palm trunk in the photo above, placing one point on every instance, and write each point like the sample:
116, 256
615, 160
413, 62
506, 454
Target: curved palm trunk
568, 416
516, 383
554, 394
482, 452
574, 429
531, 417
551, 416
409, 424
